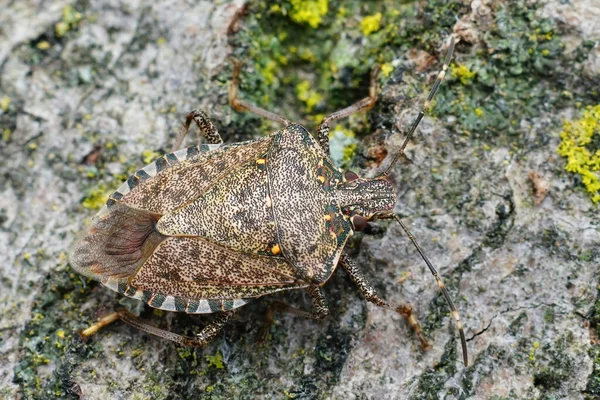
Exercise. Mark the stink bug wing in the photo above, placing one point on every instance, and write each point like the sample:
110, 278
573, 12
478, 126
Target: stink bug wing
117, 243
235, 212
311, 227
187, 273
178, 178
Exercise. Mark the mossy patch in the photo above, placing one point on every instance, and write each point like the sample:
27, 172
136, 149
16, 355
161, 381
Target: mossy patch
592, 390
519, 72
50, 338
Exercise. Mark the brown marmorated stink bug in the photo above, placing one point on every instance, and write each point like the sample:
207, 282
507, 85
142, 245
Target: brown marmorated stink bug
209, 228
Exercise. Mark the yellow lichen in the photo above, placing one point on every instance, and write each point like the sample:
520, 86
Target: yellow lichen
43, 45
370, 24
463, 73
215, 361
310, 97
268, 72
386, 69
577, 138
309, 11
96, 197
148, 156
70, 19
4, 103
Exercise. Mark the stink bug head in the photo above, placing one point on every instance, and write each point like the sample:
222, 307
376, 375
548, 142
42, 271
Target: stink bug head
365, 197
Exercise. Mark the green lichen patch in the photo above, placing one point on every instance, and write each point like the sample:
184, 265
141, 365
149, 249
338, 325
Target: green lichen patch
592, 390
50, 341
520, 70
433, 379
552, 364
318, 71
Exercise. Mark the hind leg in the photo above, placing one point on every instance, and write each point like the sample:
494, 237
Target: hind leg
200, 340
207, 129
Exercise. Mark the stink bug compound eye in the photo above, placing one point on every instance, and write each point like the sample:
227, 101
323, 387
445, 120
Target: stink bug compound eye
208, 228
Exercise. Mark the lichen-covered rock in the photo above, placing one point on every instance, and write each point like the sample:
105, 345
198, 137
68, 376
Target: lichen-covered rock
91, 91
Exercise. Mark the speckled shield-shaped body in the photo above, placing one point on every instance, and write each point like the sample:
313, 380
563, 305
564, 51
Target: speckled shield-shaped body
210, 227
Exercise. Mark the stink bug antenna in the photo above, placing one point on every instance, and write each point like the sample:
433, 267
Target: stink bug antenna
415, 124
441, 285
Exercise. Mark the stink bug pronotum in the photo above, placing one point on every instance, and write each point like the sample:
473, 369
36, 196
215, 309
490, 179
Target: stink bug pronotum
209, 228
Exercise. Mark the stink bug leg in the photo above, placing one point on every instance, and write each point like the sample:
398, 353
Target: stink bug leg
200, 340
362, 105
371, 296
241, 105
207, 129
321, 311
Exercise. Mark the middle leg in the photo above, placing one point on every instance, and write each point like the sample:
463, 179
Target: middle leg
321, 311
371, 296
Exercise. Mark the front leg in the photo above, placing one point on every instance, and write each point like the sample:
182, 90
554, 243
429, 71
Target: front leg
371, 296
361, 105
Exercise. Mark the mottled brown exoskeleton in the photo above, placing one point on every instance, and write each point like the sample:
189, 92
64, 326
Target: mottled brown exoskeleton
209, 228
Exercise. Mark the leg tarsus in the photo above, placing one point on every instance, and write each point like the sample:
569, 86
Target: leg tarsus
371, 296
104, 321
205, 125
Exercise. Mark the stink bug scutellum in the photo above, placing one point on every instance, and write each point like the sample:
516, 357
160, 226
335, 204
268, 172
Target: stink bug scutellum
208, 228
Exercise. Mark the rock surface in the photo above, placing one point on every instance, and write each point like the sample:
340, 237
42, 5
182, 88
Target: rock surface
90, 92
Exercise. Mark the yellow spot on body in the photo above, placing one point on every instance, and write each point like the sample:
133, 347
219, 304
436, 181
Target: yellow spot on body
276, 249
327, 217
261, 161
60, 334
43, 45
321, 178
